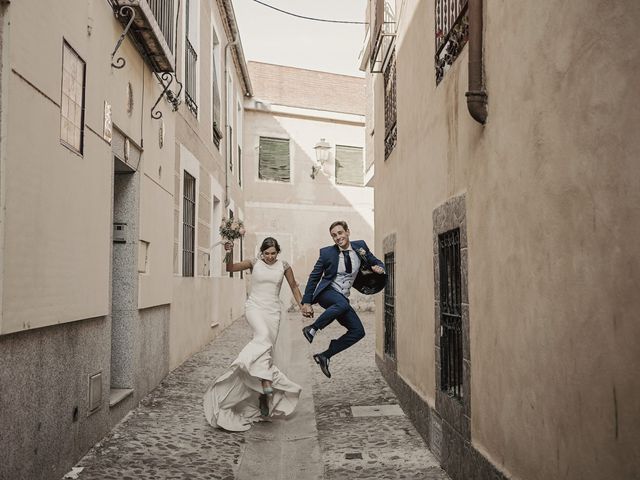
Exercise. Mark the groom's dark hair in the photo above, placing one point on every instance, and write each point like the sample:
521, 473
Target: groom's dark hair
342, 223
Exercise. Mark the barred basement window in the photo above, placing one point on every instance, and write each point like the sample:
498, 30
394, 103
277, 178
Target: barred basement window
188, 225
273, 159
390, 306
72, 101
450, 313
349, 165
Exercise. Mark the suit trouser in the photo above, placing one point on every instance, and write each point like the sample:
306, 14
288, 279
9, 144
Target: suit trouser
337, 307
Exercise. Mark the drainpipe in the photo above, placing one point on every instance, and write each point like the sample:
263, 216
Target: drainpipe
476, 96
226, 132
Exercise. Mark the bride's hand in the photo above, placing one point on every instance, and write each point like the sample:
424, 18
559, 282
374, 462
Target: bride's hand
228, 246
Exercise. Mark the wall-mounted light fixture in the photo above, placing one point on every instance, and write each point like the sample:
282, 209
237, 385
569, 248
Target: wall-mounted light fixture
323, 150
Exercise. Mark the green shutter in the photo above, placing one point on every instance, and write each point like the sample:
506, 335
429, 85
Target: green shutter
349, 165
274, 159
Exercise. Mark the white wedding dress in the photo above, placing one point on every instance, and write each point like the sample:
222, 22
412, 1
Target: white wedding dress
232, 401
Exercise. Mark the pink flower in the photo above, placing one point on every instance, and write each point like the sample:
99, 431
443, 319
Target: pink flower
235, 226
242, 231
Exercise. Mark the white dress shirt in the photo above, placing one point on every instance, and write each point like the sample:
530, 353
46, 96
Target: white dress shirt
343, 281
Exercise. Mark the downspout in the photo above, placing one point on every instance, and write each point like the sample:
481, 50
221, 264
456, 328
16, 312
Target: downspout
226, 116
476, 96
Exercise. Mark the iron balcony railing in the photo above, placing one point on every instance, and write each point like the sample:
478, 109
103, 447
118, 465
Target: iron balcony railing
151, 26
451, 33
451, 353
163, 12
191, 59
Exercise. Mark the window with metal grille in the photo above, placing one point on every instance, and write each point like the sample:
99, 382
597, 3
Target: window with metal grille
190, 65
215, 107
451, 33
239, 166
273, 159
450, 313
232, 252
349, 165
390, 114
188, 225
72, 101
390, 306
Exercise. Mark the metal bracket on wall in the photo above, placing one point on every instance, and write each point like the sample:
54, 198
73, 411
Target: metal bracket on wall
173, 98
124, 11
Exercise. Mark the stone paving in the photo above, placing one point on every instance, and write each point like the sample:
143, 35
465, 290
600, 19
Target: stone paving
167, 436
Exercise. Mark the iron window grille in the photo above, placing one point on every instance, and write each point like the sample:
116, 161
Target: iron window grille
273, 159
451, 354
239, 166
232, 253
451, 33
191, 59
217, 133
390, 306
188, 225
349, 165
72, 101
390, 113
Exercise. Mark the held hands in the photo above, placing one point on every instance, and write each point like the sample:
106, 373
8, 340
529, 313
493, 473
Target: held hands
307, 310
228, 246
377, 269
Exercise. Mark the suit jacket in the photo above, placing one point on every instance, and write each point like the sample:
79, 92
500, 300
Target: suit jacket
326, 269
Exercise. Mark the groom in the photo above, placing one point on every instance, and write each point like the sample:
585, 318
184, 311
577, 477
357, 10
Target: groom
329, 285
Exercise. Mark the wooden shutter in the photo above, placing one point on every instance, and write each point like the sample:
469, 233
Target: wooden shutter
274, 159
349, 165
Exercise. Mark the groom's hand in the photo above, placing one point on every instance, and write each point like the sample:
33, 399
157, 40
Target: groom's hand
307, 310
377, 269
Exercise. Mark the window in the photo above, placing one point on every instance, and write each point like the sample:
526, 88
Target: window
239, 166
72, 102
188, 225
390, 306
215, 84
451, 33
450, 313
273, 159
349, 165
232, 252
390, 115
191, 58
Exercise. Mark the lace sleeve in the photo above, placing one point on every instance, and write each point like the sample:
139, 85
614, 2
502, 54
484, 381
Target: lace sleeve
285, 266
253, 261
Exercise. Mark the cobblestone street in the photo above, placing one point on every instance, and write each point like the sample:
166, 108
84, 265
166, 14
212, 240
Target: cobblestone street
167, 436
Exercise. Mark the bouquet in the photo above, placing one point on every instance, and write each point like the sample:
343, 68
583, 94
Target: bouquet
230, 229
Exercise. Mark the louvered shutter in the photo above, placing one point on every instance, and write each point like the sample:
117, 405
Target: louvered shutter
274, 159
349, 165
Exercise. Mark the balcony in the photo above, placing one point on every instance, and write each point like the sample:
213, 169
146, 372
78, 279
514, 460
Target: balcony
452, 33
152, 30
383, 40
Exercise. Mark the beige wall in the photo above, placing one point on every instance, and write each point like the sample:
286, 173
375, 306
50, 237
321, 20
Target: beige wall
551, 189
57, 258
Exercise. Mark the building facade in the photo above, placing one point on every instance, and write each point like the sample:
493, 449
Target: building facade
119, 125
304, 164
505, 130
208, 187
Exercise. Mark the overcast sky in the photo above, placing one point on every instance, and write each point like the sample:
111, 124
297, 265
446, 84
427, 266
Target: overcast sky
273, 37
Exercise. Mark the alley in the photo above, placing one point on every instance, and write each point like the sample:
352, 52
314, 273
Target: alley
328, 437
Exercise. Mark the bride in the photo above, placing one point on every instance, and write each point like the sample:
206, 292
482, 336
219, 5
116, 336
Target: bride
253, 387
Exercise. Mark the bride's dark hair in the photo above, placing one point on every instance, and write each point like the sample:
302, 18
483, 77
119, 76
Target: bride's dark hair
268, 243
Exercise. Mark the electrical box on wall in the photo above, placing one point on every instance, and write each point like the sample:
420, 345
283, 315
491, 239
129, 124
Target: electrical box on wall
119, 233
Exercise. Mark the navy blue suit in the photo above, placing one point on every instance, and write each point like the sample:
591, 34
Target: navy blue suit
336, 305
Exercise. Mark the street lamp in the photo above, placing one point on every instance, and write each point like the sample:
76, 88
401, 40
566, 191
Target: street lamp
322, 149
